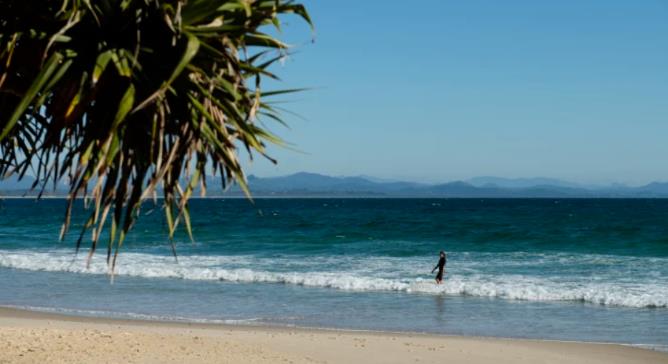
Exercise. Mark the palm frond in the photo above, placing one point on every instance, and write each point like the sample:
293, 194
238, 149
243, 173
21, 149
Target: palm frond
123, 99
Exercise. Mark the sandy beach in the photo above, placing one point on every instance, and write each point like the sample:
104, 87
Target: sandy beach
32, 337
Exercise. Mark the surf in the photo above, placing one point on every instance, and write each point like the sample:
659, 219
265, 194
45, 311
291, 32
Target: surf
360, 274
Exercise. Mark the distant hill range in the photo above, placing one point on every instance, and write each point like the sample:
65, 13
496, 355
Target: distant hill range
316, 185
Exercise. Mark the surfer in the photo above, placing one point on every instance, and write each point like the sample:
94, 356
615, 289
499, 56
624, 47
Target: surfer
440, 266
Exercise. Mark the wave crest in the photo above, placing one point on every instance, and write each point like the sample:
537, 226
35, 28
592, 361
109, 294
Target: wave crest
206, 268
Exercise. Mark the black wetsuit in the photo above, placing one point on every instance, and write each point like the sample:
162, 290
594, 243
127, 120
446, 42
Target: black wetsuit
440, 266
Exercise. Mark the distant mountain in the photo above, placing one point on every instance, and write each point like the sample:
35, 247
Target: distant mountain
317, 185
654, 189
12, 186
377, 179
314, 184
13, 183
521, 182
309, 181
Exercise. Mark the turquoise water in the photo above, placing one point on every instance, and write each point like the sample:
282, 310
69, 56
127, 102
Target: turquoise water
592, 270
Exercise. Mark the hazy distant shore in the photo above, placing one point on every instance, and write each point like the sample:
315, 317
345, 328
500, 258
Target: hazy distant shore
313, 185
324, 196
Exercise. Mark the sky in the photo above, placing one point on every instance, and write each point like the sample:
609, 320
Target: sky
440, 90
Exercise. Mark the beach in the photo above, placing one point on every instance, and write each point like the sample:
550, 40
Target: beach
545, 275
33, 337
481, 185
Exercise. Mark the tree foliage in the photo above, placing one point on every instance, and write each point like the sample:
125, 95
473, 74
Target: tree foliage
125, 98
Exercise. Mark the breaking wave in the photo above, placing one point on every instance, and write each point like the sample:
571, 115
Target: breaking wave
649, 293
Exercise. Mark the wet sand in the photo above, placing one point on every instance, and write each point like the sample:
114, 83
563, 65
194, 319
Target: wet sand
34, 337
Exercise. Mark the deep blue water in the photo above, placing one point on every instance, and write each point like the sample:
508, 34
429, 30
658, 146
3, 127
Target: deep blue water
593, 270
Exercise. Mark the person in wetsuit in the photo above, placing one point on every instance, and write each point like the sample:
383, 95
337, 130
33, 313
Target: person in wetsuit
441, 267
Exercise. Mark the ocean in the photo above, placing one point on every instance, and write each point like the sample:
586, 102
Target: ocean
572, 269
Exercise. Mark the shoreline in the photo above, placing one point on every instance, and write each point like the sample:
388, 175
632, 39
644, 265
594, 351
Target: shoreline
45, 314
33, 336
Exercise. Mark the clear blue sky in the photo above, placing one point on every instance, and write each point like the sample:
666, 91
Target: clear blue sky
443, 90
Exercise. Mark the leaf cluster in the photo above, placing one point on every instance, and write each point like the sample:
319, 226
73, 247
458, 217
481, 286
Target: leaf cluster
125, 99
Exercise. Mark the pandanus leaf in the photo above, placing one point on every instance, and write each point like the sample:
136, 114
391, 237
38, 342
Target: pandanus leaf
124, 99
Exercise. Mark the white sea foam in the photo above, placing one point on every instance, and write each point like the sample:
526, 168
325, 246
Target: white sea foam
367, 274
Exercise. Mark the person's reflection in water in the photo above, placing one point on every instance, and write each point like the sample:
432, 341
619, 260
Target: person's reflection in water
440, 307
